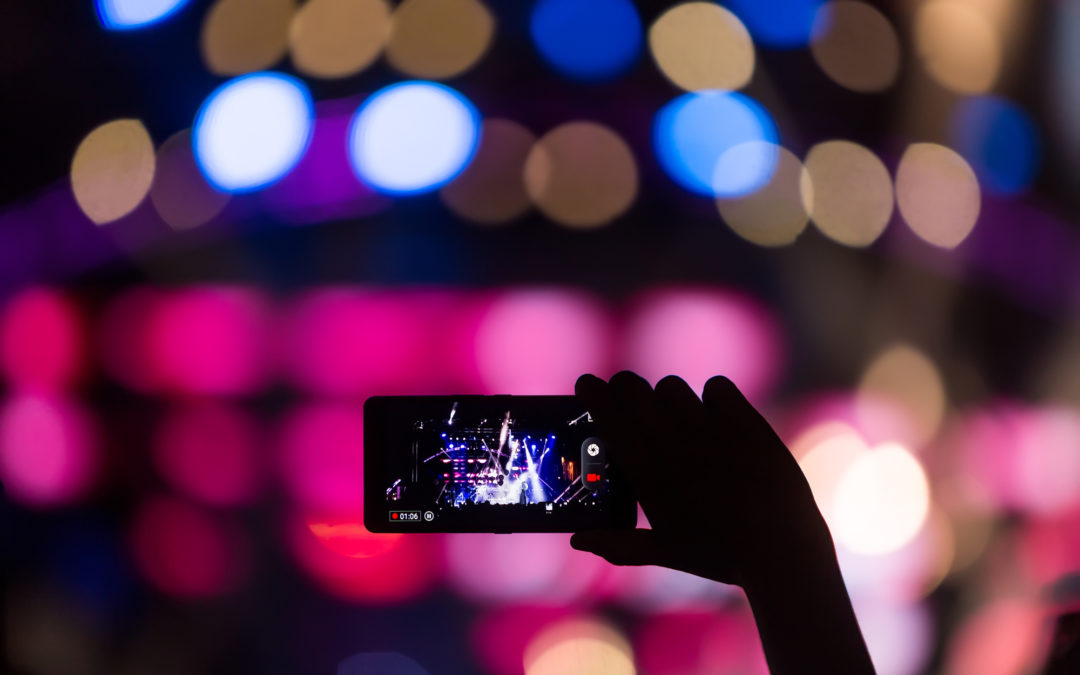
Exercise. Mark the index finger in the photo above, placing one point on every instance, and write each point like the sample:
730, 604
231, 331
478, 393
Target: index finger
617, 427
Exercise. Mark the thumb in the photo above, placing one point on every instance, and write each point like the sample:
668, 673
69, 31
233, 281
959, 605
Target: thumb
622, 547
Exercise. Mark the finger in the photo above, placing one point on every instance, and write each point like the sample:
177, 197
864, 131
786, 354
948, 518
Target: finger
724, 402
634, 410
593, 394
680, 416
677, 401
634, 397
622, 547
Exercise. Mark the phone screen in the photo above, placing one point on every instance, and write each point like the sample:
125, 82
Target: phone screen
488, 464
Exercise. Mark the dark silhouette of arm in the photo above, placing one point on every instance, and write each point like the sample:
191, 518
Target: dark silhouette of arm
728, 502
1064, 657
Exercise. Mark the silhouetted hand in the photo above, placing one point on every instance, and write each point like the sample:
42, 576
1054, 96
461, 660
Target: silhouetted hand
728, 502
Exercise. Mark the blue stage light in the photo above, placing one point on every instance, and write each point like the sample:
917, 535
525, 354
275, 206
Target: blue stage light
587, 40
783, 24
716, 143
131, 14
252, 130
413, 137
1000, 141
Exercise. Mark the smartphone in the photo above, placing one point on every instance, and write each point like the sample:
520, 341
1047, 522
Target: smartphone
488, 464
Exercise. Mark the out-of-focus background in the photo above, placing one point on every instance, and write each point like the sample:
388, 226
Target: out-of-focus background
223, 224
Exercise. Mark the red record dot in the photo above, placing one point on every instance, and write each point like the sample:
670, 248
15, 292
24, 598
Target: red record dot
393, 516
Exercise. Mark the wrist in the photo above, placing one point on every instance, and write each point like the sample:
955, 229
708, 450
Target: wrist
805, 555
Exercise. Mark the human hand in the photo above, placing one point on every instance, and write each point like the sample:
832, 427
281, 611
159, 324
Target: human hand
725, 498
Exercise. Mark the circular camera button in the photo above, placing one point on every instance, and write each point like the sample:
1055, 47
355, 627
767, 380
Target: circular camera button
593, 449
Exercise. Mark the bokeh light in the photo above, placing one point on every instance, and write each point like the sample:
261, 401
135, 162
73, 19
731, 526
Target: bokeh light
242, 36
905, 377
581, 174
856, 46
350, 342
252, 130
438, 39
413, 137
210, 451
875, 419
185, 551
592, 41
207, 340
1025, 458
499, 636
538, 568
338, 38
538, 341
881, 501
1049, 545
875, 500
321, 457
350, 563
938, 194
689, 643
898, 637
699, 333
1001, 142
491, 190
958, 45
906, 575
652, 589
578, 647
49, 454
825, 451
781, 24
1003, 637
907, 549
852, 192
41, 341
347, 536
716, 143
180, 193
131, 14
701, 45
323, 185
776, 214
112, 170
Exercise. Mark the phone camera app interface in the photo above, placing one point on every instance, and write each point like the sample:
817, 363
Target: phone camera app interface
485, 457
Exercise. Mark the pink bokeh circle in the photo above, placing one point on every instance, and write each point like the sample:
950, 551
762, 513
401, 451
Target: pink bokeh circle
49, 454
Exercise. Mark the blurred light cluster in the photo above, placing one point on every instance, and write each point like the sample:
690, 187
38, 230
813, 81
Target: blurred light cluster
215, 340
418, 136
918, 489
261, 133
877, 457
49, 447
